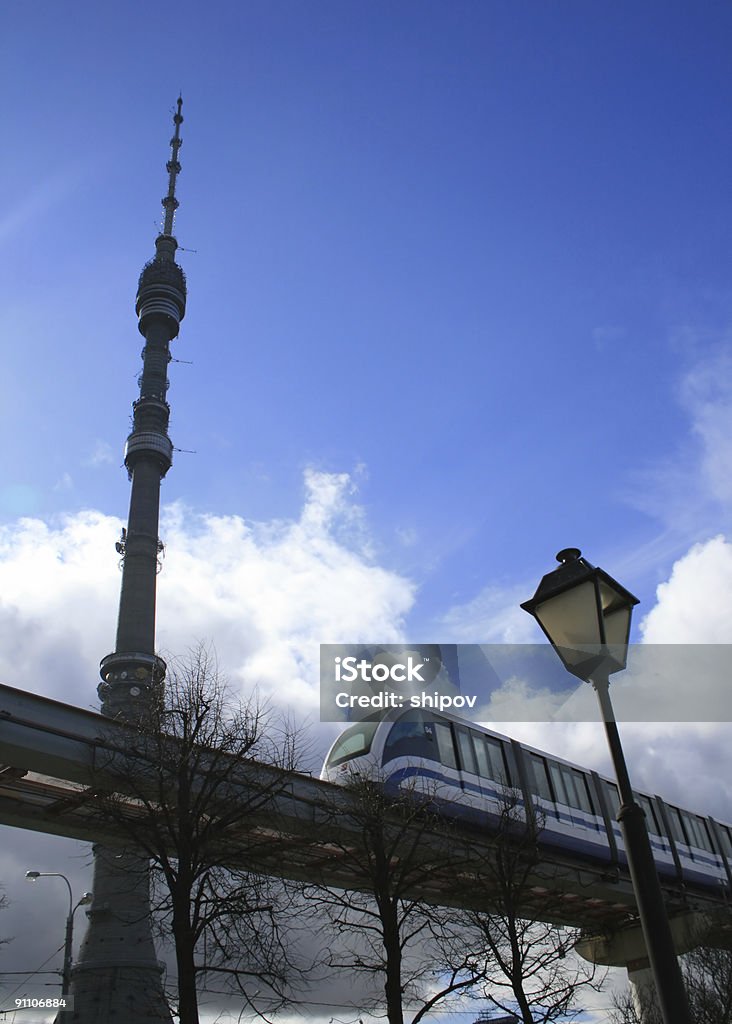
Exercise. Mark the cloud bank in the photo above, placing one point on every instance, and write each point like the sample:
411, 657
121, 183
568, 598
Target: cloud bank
265, 594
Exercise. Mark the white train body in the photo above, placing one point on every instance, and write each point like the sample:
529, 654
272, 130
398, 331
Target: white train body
471, 770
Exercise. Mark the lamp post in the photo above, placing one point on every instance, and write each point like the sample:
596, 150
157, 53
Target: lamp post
85, 900
585, 614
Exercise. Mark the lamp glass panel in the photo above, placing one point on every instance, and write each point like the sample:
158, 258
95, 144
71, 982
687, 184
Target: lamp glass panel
570, 619
616, 613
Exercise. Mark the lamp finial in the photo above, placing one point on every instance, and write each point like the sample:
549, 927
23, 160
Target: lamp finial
568, 555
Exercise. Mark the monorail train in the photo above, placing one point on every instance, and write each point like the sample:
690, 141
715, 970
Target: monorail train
470, 770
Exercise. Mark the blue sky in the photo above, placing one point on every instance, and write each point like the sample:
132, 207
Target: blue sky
460, 297
471, 247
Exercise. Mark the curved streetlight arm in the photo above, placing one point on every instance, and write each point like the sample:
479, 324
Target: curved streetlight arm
69, 936
33, 875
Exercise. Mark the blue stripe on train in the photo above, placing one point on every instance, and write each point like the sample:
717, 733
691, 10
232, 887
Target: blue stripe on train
599, 849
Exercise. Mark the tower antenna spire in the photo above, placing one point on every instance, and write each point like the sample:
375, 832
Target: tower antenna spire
170, 203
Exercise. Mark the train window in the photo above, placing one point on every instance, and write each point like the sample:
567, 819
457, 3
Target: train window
481, 755
725, 837
499, 768
558, 783
570, 787
697, 831
651, 819
584, 803
465, 749
353, 743
489, 756
410, 736
445, 746
677, 827
704, 829
542, 787
613, 797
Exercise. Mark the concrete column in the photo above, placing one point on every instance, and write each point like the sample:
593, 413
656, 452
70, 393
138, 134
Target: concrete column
626, 948
643, 990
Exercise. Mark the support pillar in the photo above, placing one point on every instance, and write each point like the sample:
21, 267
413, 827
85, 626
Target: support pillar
627, 948
643, 990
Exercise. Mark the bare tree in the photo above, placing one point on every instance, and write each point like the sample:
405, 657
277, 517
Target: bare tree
395, 846
708, 982
708, 976
528, 964
626, 1011
189, 791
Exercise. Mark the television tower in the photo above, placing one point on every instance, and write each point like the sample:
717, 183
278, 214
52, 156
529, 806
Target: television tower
117, 976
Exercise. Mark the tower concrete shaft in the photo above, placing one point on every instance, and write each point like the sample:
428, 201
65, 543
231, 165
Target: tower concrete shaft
131, 673
118, 976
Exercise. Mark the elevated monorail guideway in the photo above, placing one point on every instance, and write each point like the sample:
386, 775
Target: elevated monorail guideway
48, 751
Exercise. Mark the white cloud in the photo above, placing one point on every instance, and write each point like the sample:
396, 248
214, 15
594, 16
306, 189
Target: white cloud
265, 594
58, 591
691, 490
268, 594
493, 617
687, 761
516, 700
694, 606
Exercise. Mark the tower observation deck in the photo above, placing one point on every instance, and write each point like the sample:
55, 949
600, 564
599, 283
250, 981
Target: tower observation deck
117, 976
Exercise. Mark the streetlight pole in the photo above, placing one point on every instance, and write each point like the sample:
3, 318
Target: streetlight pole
585, 614
85, 900
646, 886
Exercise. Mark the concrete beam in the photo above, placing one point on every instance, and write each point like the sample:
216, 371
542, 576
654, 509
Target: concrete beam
627, 946
55, 751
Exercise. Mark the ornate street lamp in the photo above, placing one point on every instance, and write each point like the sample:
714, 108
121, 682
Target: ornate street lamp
85, 900
586, 614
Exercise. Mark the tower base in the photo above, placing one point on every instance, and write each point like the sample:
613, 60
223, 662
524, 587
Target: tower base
118, 976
